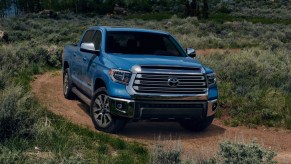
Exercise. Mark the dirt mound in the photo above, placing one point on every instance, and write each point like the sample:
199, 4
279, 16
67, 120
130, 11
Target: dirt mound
48, 89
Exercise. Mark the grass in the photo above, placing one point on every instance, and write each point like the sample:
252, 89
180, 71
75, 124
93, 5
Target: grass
41, 136
254, 83
169, 151
224, 17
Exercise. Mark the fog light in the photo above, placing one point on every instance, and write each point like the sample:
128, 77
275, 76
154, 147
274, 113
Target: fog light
119, 105
214, 106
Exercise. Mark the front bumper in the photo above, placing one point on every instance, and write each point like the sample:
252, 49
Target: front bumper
162, 109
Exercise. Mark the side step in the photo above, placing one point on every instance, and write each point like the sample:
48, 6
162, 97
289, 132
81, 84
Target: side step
79, 94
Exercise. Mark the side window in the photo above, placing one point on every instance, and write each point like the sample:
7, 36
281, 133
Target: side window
97, 40
88, 36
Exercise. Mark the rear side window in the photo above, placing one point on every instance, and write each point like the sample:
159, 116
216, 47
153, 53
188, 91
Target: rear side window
88, 36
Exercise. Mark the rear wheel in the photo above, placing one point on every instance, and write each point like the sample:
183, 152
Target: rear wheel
102, 118
67, 85
197, 125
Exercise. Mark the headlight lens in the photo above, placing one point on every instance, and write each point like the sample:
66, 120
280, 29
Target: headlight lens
211, 79
120, 76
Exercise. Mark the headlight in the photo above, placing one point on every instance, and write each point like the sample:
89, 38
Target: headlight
120, 76
211, 79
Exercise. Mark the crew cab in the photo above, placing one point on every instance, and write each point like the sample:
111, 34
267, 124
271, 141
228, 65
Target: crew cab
126, 74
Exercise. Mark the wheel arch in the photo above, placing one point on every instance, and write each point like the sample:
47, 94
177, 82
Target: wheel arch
99, 83
66, 65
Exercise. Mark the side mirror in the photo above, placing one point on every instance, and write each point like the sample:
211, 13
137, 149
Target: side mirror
89, 47
191, 52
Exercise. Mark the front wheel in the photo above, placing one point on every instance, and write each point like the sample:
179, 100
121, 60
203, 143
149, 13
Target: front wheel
102, 118
197, 125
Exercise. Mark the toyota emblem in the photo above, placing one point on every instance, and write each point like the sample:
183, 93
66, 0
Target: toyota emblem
173, 82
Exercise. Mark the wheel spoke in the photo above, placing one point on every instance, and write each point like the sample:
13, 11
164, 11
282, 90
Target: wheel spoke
108, 117
96, 110
100, 100
98, 116
98, 103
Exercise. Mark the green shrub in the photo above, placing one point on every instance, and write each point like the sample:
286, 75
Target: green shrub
7, 155
166, 152
162, 155
16, 119
253, 83
231, 152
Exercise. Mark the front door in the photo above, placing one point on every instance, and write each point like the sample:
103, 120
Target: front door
91, 64
80, 60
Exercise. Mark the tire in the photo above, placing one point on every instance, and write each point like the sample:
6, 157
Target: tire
67, 85
197, 125
99, 110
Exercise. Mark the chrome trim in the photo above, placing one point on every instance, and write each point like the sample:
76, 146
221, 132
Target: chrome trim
88, 46
121, 99
159, 96
210, 112
138, 69
128, 111
164, 96
172, 72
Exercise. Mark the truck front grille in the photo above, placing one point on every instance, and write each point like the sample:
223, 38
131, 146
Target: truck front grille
170, 83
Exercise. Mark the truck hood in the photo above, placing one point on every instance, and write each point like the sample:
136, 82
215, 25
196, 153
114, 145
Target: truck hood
125, 62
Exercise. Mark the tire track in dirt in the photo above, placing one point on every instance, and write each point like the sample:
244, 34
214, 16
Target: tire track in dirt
48, 89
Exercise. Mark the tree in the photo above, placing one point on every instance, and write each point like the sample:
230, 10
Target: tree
4, 5
193, 8
205, 9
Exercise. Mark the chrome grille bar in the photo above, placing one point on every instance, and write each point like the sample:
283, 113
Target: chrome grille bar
159, 83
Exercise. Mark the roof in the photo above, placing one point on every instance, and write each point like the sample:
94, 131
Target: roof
128, 29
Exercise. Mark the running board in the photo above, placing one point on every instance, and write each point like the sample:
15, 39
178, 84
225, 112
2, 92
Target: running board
79, 94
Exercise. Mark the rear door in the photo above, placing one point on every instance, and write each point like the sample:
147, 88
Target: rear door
91, 64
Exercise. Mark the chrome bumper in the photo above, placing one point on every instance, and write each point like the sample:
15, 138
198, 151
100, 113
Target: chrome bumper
211, 107
133, 109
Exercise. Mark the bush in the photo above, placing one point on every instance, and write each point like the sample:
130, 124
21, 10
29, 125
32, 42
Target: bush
254, 83
165, 152
16, 119
231, 152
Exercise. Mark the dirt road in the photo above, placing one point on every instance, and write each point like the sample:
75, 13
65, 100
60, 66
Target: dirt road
48, 89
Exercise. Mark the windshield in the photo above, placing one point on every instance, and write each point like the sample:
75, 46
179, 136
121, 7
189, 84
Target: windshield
140, 43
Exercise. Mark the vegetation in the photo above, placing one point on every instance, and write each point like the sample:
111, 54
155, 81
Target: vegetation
228, 152
254, 86
89, 6
251, 8
236, 152
254, 82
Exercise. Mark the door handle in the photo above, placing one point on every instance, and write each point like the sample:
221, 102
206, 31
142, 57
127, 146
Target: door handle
84, 59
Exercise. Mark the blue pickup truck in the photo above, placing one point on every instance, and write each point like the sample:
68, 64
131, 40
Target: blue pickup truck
129, 74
